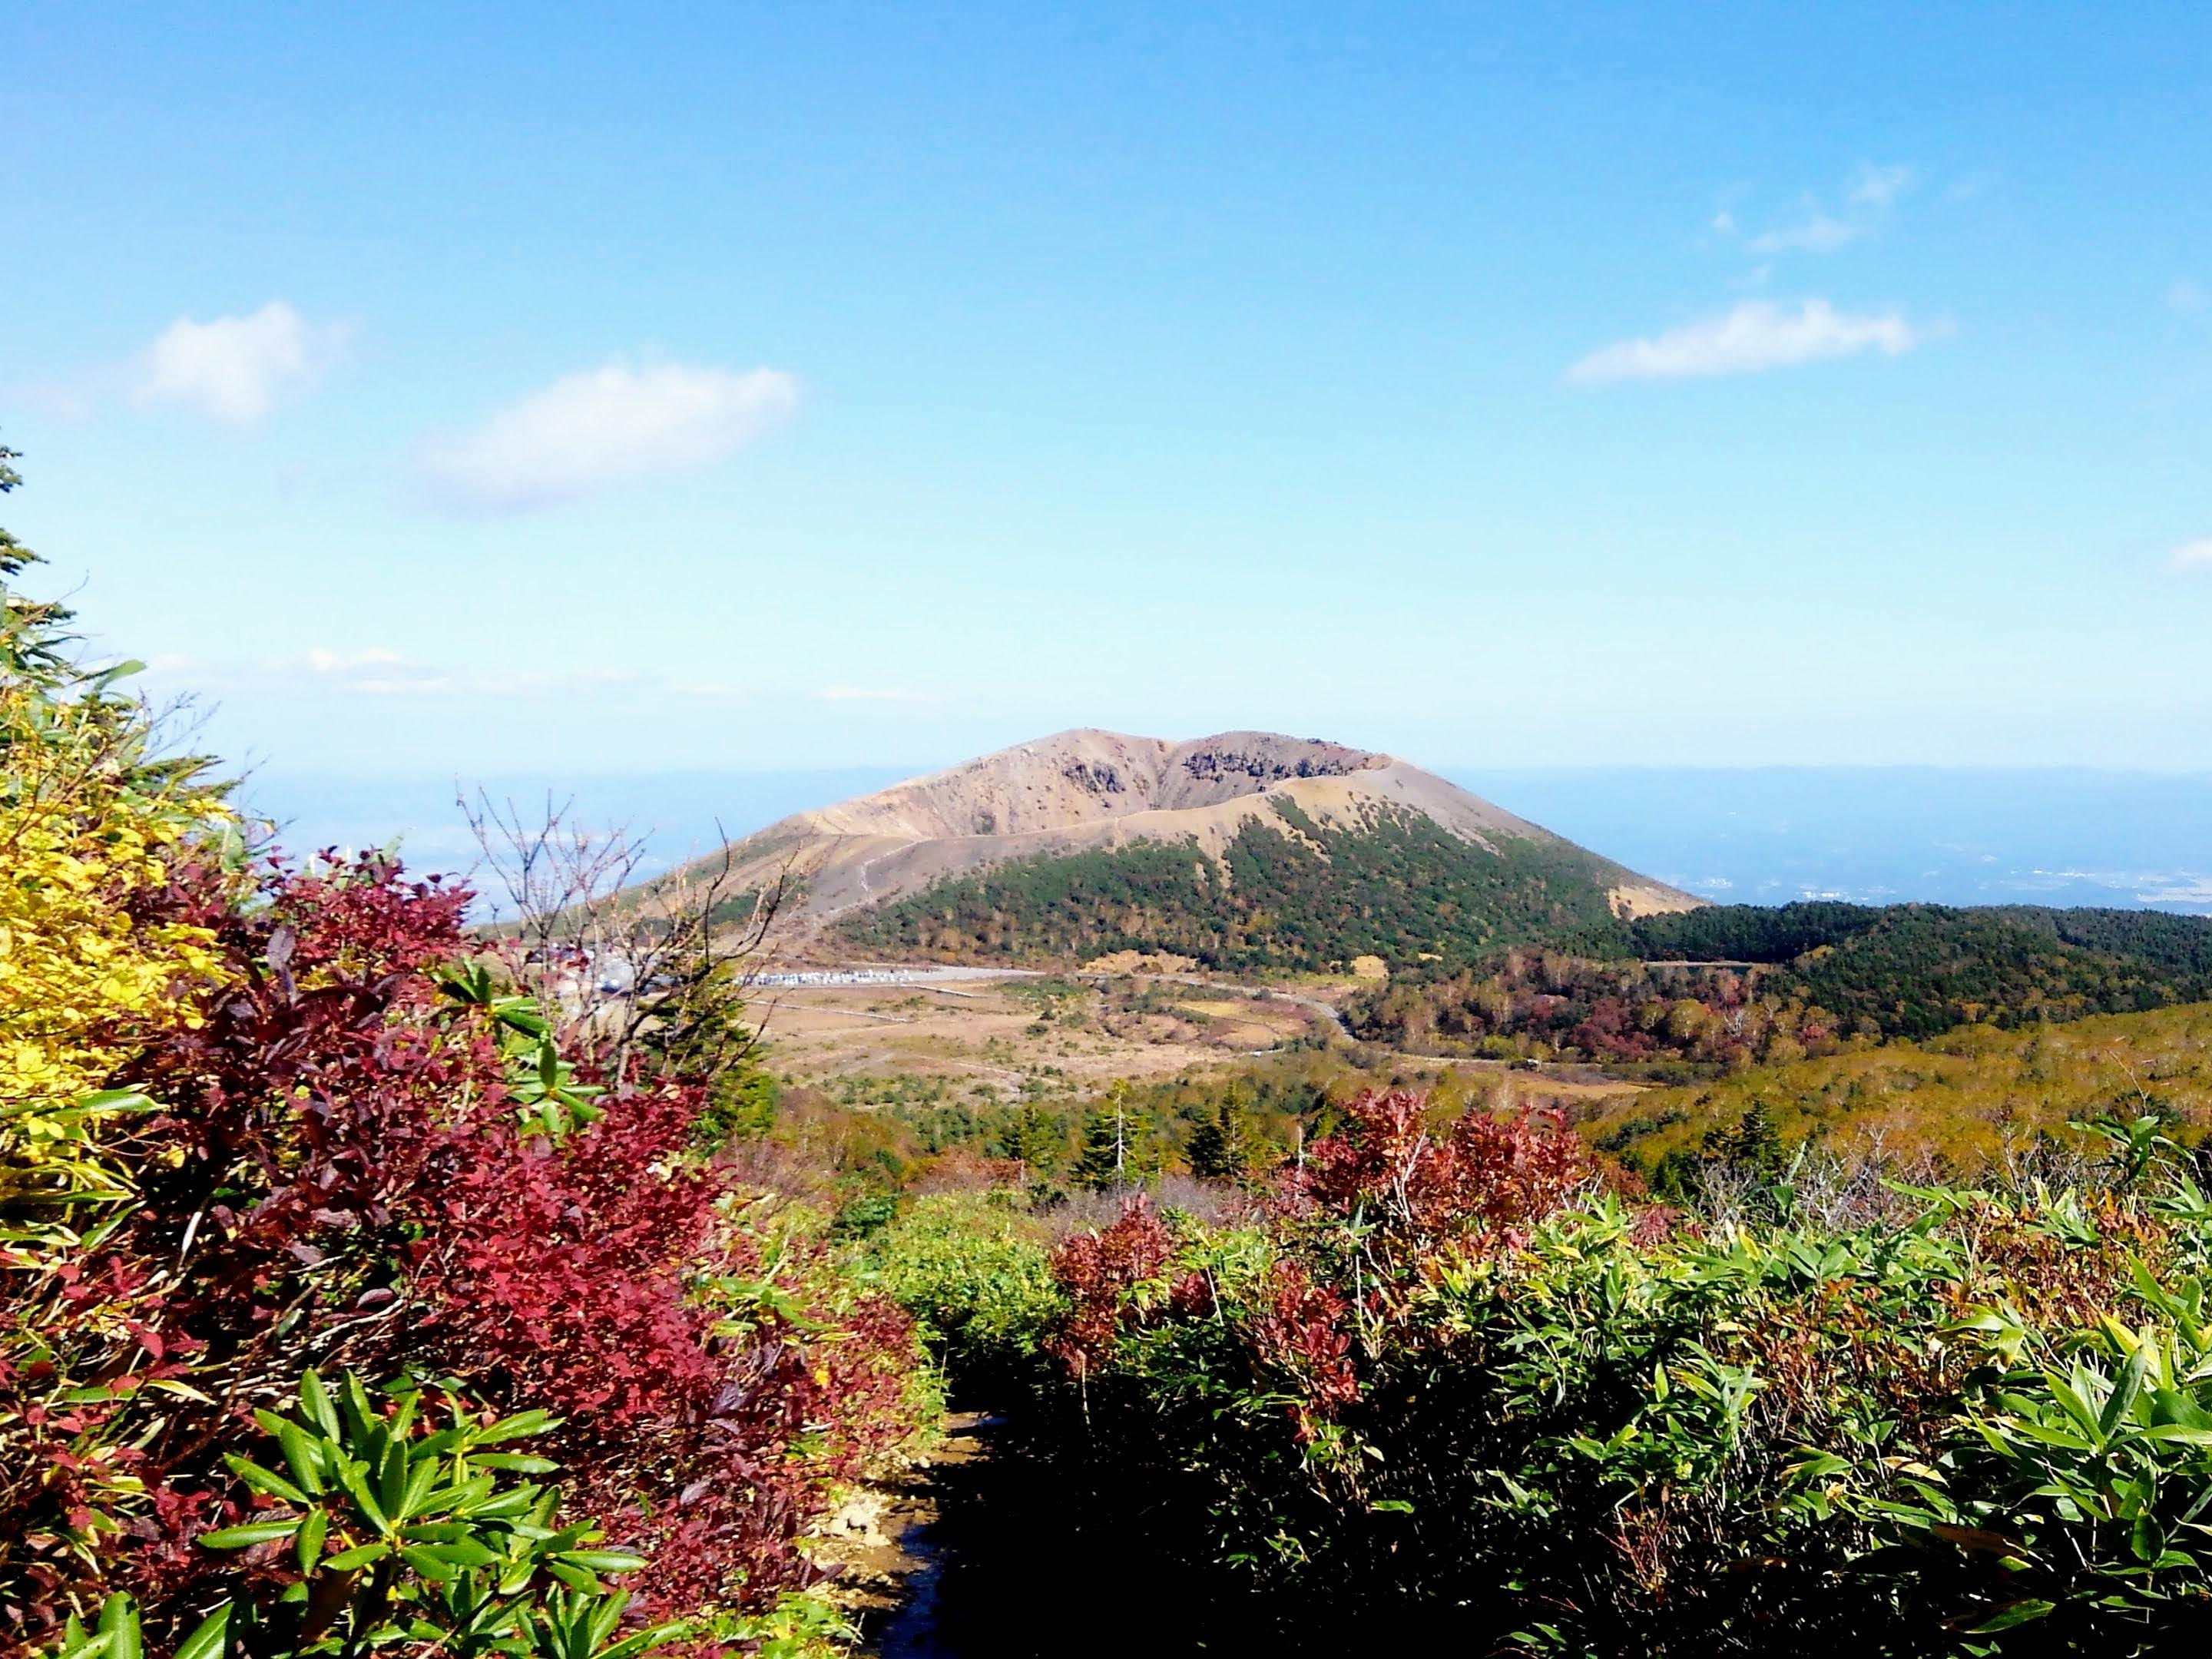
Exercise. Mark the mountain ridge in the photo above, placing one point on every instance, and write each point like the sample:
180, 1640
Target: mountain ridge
1088, 791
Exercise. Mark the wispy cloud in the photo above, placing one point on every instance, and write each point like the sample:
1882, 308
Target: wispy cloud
1878, 187
2187, 297
235, 369
380, 672
875, 694
324, 661
1868, 200
608, 426
2192, 556
1754, 336
1815, 233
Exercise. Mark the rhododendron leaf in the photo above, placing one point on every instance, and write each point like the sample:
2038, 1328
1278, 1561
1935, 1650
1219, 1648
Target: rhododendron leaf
652, 1637
354, 1477
263, 1479
309, 1543
419, 1479
465, 1495
508, 1507
315, 1404
514, 1427
258, 1532
606, 1560
206, 1641
358, 1557
116, 1100
391, 1477
2019, 1613
428, 1566
302, 1456
574, 1577
118, 1625
461, 1552
361, 1418
517, 1461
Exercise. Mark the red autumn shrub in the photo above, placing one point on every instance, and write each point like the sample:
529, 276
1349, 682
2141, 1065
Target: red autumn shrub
339, 1177
1299, 1332
1098, 1270
1481, 1174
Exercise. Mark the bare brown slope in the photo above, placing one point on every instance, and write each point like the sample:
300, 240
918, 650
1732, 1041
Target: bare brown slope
1087, 789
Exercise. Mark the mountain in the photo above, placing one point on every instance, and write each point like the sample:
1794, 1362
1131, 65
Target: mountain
1246, 849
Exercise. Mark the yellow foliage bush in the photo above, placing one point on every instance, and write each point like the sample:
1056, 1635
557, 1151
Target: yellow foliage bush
86, 831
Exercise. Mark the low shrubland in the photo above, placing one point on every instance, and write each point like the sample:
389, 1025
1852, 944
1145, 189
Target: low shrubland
1445, 1378
353, 1295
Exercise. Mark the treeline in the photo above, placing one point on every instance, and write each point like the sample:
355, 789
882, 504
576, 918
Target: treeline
1547, 1004
2177, 945
1312, 899
886, 1138
1739, 984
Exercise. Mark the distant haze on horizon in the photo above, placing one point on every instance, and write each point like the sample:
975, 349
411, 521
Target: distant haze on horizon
734, 388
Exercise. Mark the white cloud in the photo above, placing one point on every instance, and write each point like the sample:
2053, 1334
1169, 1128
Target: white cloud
334, 662
2192, 556
1868, 200
605, 427
867, 693
234, 368
1877, 187
1755, 335
2187, 297
1816, 232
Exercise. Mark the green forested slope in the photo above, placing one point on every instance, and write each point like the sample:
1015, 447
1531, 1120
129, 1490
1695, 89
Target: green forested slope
1737, 983
1400, 887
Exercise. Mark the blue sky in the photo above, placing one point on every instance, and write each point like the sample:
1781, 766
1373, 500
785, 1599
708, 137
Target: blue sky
492, 388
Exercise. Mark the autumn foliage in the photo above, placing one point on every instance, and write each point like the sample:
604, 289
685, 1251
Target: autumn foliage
1449, 1382
256, 1118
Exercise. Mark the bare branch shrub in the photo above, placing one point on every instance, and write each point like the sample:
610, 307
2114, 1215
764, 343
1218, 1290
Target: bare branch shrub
612, 956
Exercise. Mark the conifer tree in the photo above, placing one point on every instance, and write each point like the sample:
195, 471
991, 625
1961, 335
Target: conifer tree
1104, 1161
1221, 1145
1038, 1141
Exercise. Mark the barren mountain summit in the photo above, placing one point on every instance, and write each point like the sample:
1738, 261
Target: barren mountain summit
1088, 777
1089, 835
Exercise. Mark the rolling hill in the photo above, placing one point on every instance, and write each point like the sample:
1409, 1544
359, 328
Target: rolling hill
1247, 849
1730, 984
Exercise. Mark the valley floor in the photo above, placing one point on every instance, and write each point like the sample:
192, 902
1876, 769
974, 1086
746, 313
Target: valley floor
972, 1030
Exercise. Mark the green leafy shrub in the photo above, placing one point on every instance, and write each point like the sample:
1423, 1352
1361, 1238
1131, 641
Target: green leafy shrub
1450, 1380
971, 1269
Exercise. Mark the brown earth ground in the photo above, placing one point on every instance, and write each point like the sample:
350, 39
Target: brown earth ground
1080, 1033
1001, 1031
